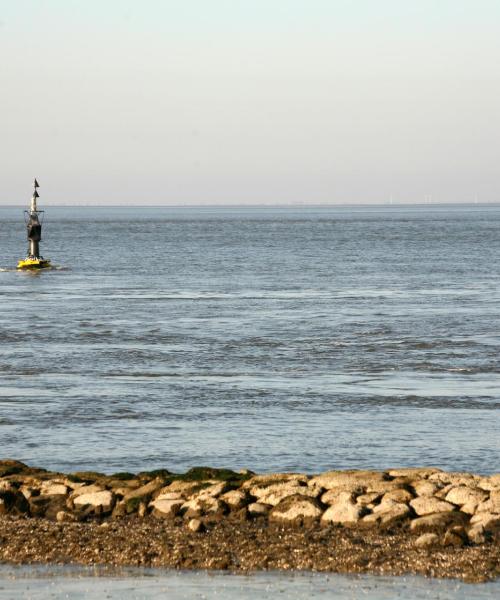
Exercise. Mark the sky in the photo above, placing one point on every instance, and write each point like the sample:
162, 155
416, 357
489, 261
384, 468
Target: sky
249, 101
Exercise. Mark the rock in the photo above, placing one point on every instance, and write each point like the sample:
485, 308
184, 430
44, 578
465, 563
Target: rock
7, 486
389, 515
477, 534
425, 488
438, 521
13, 502
201, 506
455, 479
385, 487
235, 499
347, 479
414, 472
47, 506
196, 526
344, 511
145, 491
489, 483
453, 539
402, 496
427, 540
170, 496
470, 508
256, 509
185, 488
389, 504
427, 505
165, 509
86, 489
296, 509
213, 491
492, 505
465, 495
53, 488
273, 494
364, 499
29, 491
489, 521
262, 481
120, 510
104, 500
63, 516
334, 495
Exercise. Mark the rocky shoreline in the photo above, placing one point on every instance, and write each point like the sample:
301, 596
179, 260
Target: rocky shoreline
408, 520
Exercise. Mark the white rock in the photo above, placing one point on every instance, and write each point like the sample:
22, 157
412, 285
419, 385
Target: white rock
425, 488
426, 505
414, 472
64, 516
87, 489
235, 498
195, 525
426, 540
103, 499
296, 510
344, 511
202, 505
401, 496
456, 479
465, 495
273, 495
490, 483
213, 491
169, 496
262, 481
391, 513
53, 488
256, 509
476, 534
346, 479
364, 499
166, 508
487, 520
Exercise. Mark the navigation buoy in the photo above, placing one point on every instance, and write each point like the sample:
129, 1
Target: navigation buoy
34, 219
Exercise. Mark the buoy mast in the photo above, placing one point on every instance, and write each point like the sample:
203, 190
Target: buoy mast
34, 225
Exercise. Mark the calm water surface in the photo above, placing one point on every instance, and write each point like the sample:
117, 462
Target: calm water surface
290, 339
37, 583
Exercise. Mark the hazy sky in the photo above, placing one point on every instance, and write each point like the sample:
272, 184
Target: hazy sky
249, 101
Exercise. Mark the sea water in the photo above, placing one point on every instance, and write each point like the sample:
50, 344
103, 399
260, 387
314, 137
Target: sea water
266, 338
40, 583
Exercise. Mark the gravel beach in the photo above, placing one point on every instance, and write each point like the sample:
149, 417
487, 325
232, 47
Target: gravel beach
420, 521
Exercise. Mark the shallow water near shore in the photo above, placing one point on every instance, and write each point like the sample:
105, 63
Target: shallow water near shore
271, 339
36, 582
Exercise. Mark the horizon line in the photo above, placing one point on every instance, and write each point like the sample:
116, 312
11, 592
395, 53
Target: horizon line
266, 205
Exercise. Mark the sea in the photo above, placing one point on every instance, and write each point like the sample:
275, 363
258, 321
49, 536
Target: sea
268, 338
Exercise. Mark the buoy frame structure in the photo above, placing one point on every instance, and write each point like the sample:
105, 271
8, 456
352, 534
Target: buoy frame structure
34, 219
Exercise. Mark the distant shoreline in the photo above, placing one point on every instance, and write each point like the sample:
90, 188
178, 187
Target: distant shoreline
420, 521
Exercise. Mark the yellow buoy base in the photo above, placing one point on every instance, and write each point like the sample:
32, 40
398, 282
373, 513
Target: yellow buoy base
33, 263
